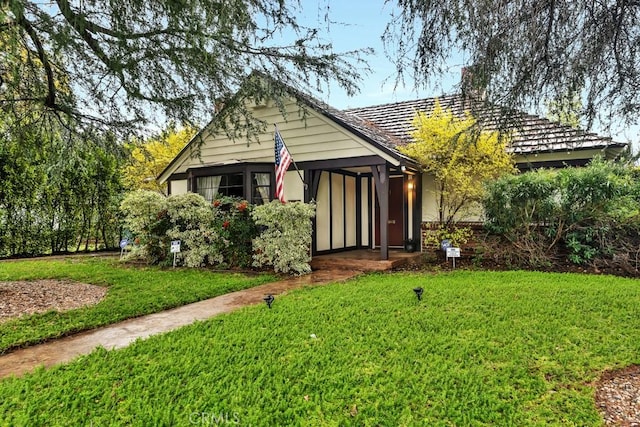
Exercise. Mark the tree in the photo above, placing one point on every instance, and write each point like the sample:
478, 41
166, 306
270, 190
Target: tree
527, 51
565, 110
59, 191
132, 61
460, 158
150, 157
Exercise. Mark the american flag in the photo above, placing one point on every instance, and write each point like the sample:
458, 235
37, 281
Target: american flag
283, 160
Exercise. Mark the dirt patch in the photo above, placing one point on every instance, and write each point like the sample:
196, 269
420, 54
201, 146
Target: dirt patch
20, 298
618, 397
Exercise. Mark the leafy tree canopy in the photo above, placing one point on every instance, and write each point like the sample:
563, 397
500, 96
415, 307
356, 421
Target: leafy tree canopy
150, 157
565, 110
460, 157
128, 62
528, 50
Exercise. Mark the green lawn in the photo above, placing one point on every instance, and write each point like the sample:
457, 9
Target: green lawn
132, 292
482, 348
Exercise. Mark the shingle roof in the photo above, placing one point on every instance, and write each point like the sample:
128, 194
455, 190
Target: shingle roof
533, 134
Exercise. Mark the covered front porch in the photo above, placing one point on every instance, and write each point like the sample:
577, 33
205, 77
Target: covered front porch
364, 260
363, 203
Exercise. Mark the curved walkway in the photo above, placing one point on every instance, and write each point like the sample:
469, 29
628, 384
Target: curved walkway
124, 333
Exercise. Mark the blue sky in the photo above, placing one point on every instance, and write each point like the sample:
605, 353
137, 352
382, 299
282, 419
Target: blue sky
360, 24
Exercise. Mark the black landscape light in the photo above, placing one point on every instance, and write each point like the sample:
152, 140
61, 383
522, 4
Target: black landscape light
269, 300
418, 292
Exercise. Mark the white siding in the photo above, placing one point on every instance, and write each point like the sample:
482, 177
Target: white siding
429, 198
430, 203
293, 186
322, 214
337, 212
364, 200
350, 210
317, 138
179, 187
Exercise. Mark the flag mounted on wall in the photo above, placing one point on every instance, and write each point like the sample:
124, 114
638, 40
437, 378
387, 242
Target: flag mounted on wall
283, 160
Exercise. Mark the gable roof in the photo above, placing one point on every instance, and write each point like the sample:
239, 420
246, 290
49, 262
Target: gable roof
533, 134
357, 126
388, 126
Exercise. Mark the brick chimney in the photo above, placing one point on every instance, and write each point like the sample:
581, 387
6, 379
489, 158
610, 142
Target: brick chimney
473, 84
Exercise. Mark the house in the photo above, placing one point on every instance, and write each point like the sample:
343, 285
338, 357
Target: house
367, 193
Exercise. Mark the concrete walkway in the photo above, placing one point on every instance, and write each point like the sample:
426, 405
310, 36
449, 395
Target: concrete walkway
124, 333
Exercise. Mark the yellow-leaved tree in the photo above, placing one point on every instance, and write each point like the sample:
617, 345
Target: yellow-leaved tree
150, 157
460, 157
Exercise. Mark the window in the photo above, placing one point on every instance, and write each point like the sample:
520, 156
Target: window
232, 184
224, 185
261, 191
208, 186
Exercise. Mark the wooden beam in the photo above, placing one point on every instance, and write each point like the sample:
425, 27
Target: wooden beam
381, 178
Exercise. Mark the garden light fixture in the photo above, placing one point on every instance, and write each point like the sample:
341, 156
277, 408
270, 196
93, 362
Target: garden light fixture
269, 300
418, 292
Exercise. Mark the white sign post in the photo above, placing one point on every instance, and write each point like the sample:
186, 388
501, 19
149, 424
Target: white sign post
175, 248
453, 253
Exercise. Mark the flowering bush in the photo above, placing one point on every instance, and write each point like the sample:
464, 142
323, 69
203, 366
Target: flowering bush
235, 230
285, 240
145, 215
190, 219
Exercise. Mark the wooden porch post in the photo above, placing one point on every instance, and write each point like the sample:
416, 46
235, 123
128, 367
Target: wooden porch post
417, 208
381, 177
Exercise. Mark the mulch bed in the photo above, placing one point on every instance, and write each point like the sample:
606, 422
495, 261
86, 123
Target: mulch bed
618, 397
20, 298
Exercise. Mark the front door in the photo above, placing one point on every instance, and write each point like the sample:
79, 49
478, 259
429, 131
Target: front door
396, 213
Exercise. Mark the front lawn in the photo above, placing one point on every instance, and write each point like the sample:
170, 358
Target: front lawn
132, 291
482, 348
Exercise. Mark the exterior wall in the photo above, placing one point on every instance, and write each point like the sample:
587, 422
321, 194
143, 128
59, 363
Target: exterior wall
336, 212
313, 138
568, 156
323, 214
429, 198
179, 186
337, 209
293, 186
350, 222
366, 220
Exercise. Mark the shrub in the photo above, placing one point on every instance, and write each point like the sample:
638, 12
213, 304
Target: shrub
189, 218
145, 216
234, 229
592, 213
457, 236
285, 240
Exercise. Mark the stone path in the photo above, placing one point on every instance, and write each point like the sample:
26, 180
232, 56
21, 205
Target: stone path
124, 333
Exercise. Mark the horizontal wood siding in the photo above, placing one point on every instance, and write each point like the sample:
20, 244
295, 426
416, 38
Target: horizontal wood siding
316, 139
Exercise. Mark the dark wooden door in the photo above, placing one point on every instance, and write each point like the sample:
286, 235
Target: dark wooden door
396, 213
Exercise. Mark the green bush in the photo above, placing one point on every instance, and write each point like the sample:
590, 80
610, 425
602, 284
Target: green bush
145, 216
190, 217
235, 230
224, 234
592, 213
285, 240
